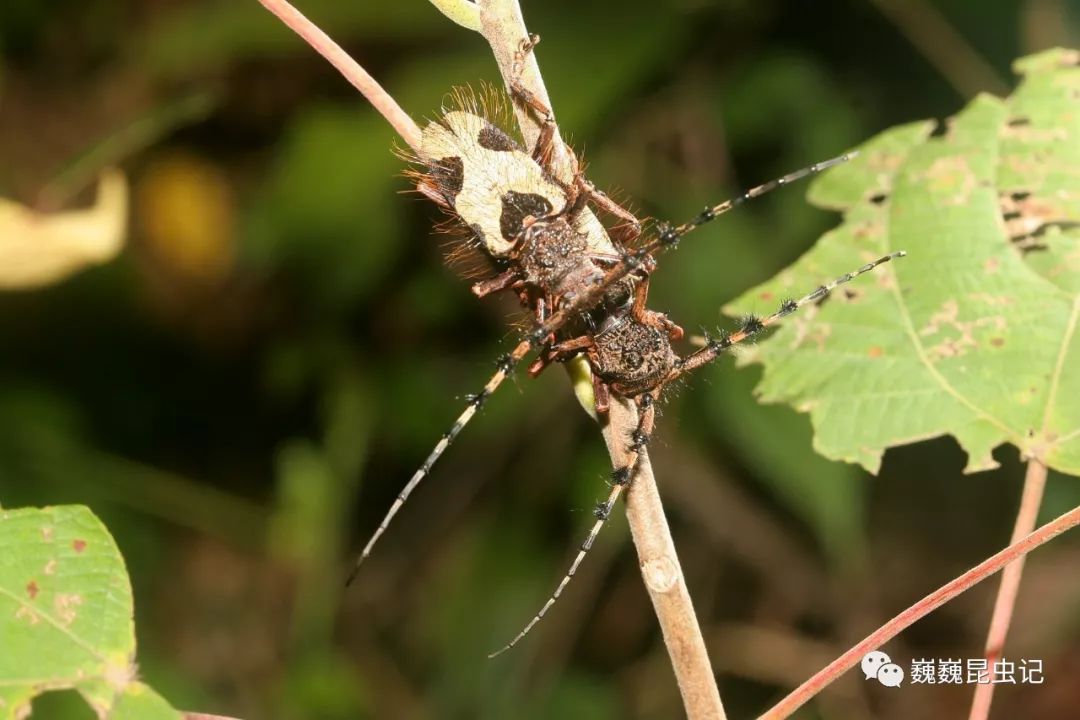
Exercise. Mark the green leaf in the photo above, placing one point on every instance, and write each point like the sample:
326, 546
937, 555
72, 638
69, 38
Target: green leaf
66, 616
974, 333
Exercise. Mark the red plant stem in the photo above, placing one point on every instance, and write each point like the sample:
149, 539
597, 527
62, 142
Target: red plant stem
376, 95
1030, 500
928, 604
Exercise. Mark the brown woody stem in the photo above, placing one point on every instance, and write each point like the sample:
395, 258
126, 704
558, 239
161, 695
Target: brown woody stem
503, 27
661, 571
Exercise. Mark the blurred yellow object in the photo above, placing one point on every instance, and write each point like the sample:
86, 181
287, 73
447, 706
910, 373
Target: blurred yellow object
185, 211
43, 248
581, 379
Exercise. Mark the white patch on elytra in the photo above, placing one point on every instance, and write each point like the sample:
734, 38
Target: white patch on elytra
488, 175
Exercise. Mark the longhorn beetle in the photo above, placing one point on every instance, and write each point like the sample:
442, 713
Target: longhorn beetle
638, 362
587, 293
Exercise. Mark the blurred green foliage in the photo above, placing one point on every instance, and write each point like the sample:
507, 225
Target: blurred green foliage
241, 431
67, 607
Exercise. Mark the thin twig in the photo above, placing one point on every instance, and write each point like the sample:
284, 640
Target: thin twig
504, 28
1030, 500
358, 76
662, 573
928, 604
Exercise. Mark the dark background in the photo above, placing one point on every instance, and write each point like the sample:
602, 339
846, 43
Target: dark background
243, 392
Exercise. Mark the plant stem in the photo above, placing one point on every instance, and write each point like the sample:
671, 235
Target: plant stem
662, 573
353, 72
928, 604
504, 28
1030, 500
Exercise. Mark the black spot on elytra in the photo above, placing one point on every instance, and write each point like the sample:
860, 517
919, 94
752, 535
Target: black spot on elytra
492, 138
516, 207
449, 176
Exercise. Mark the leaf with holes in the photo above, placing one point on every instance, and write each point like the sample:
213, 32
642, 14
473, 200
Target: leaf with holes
974, 333
66, 616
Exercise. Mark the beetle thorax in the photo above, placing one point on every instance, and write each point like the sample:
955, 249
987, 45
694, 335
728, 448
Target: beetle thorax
631, 356
554, 257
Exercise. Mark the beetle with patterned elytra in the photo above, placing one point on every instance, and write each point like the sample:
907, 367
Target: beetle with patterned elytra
585, 284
